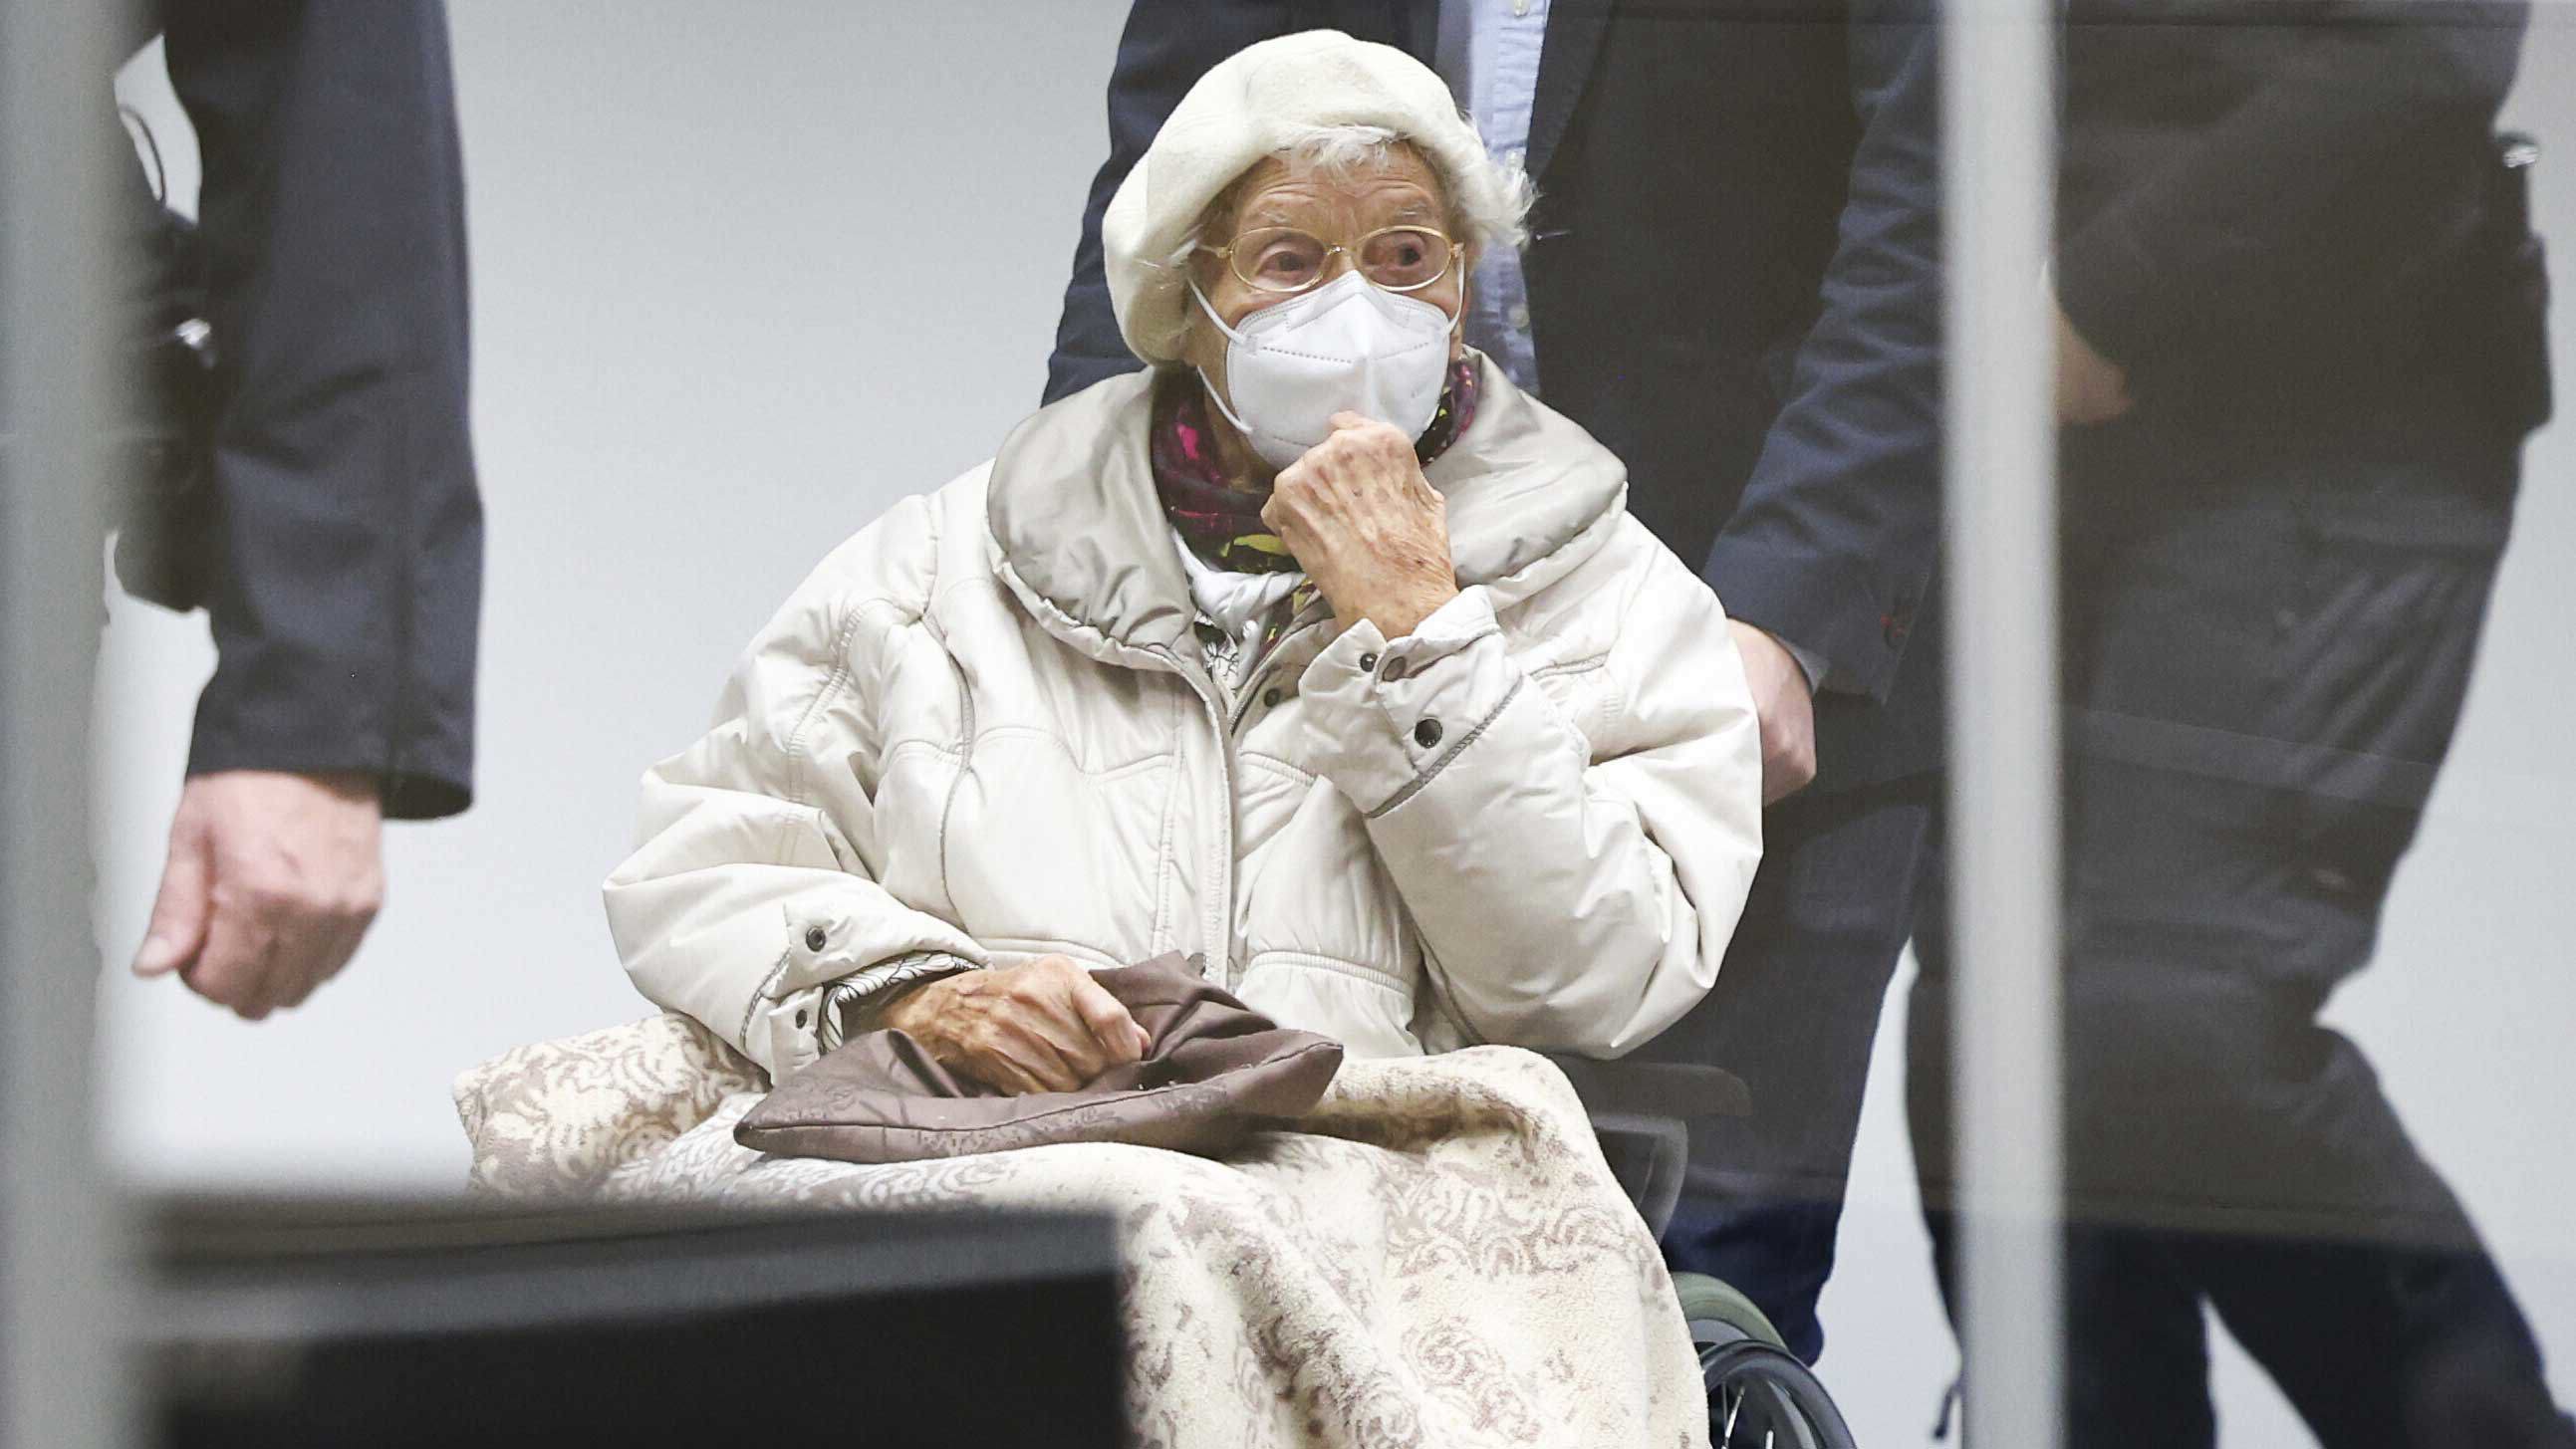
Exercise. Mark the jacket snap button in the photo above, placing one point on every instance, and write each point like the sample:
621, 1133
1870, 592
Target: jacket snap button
1393, 671
800, 1016
1270, 700
815, 940
1367, 663
1427, 733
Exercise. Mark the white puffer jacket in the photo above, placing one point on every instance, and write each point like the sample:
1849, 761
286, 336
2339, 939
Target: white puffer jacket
982, 728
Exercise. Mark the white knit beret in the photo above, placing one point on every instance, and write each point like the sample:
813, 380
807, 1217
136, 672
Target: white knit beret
1257, 103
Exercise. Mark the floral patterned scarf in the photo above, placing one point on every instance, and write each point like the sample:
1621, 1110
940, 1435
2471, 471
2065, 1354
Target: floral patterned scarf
1222, 522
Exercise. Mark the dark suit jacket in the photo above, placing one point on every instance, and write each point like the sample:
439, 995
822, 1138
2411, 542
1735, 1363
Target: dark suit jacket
345, 532
1733, 284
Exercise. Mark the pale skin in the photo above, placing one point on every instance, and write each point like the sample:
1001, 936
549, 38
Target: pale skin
271, 883
1043, 1026
2091, 388
1784, 705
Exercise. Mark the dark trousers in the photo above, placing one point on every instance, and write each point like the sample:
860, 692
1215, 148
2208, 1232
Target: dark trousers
2266, 650
1794, 1011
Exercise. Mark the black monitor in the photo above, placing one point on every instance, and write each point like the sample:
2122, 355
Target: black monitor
386, 1325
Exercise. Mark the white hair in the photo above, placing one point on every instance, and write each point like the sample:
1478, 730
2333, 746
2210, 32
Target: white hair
1489, 207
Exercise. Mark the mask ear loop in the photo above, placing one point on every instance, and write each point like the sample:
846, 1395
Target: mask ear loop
1458, 330
1231, 334
1207, 386
1240, 426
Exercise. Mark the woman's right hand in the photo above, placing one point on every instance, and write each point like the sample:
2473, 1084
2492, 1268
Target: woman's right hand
1043, 1026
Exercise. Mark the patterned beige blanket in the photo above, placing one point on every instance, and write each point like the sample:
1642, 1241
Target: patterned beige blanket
1439, 1257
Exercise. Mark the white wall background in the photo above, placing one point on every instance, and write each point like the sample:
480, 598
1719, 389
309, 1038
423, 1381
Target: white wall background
745, 275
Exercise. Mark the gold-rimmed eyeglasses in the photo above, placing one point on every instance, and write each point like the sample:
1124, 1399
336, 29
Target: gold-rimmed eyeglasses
1284, 260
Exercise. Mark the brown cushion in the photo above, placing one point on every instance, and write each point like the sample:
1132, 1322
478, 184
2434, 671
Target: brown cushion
1216, 1070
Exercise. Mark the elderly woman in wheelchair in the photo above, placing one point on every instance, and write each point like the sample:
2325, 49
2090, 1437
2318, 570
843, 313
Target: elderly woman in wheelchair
1317, 650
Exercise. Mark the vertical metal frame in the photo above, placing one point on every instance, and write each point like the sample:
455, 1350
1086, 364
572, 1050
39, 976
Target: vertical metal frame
1999, 176
62, 1367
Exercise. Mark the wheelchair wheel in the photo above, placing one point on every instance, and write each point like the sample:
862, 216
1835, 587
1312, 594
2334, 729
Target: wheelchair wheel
1759, 1395
1705, 1300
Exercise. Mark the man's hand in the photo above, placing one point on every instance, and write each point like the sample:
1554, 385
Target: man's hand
1366, 526
1044, 1026
272, 880
1786, 707
2091, 388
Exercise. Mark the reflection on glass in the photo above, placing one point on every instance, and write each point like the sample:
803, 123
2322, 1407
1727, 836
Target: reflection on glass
2300, 341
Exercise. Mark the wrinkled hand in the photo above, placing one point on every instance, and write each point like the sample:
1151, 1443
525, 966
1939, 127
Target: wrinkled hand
1786, 708
1366, 526
271, 883
1044, 1026
2091, 388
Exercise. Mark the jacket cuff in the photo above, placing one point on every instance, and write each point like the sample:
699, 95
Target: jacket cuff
850, 1004
1812, 666
1385, 716
825, 948
1855, 624
425, 791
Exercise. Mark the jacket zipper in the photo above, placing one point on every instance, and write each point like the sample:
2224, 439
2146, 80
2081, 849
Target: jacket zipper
1204, 686
1225, 730
1223, 898
1262, 676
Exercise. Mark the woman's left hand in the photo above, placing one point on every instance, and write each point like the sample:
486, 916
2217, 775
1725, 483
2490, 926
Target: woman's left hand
1366, 526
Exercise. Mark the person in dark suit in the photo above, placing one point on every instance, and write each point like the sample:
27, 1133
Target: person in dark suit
1732, 283
333, 532
2299, 346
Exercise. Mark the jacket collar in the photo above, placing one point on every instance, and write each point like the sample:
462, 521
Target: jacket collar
1574, 29
1079, 536
1573, 38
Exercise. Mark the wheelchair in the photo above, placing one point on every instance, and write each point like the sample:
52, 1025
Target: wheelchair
1759, 1395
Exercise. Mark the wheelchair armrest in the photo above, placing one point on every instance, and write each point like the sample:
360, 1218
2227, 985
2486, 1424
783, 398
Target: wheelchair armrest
1642, 1113
1655, 1089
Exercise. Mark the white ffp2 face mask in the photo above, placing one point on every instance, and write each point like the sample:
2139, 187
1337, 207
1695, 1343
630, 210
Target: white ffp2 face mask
1347, 346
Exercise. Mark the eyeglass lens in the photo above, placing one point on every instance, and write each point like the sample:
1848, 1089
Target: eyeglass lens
1281, 259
